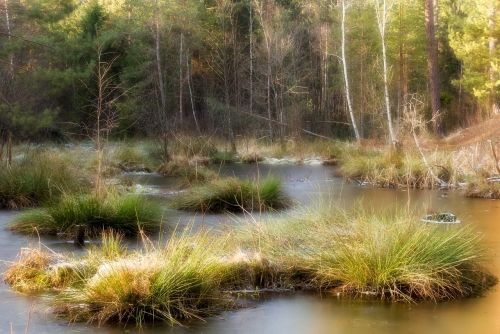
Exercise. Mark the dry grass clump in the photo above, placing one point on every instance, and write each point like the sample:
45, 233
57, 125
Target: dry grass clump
391, 168
134, 156
250, 158
298, 148
482, 188
28, 274
183, 279
190, 174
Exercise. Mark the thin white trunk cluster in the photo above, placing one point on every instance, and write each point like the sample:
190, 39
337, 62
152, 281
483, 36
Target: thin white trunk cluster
161, 87
492, 45
9, 32
181, 79
382, 11
346, 79
251, 54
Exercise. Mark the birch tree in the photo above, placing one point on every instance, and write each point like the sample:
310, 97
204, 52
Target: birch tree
432, 64
382, 9
263, 10
162, 107
344, 67
9, 32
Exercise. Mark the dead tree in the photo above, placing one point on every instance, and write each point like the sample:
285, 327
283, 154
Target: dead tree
106, 118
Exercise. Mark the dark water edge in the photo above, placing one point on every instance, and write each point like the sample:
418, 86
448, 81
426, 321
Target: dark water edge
300, 312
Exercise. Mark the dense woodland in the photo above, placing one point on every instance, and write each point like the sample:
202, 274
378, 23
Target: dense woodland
231, 68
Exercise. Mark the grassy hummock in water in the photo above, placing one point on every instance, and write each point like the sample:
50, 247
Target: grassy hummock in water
197, 274
391, 168
482, 188
127, 214
231, 194
190, 174
37, 178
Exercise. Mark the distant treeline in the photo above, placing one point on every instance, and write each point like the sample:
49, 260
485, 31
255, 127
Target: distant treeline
267, 68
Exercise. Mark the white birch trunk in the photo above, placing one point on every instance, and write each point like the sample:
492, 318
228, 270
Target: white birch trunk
382, 23
251, 55
492, 44
161, 87
346, 80
181, 113
9, 32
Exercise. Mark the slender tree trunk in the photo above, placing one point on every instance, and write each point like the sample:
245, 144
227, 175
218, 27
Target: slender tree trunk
432, 65
268, 75
181, 80
325, 73
346, 80
403, 80
492, 45
226, 87
382, 15
161, 87
9, 32
251, 53
98, 139
188, 70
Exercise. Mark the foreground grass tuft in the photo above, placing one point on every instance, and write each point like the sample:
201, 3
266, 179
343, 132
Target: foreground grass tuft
197, 274
230, 194
37, 178
127, 214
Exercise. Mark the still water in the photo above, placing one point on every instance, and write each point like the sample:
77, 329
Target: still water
295, 313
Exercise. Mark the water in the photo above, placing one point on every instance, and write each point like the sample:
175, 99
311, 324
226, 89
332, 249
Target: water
298, 313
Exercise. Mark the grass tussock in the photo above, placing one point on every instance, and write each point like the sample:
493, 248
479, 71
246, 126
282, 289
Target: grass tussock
37, 178
127, 214
231, 194
390, 168
250, 158
132, 156
482, 188
188, 173
29, 273
390, 256
291, 147
181, 280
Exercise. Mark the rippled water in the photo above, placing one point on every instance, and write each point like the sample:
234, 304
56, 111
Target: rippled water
298, 313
